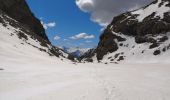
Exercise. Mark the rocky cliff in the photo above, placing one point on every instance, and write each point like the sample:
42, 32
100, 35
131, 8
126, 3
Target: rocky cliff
19, 10
144, 30
15, 16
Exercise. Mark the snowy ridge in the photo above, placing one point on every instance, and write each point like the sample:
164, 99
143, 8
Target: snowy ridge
140, 53
159, 8
27, 71
76, 51
28, 74
17, 44
139, 36
131, 52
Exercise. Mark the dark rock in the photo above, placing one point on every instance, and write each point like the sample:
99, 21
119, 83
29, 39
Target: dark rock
127, 45
154, 45
151, 40
122, 53
157, 52
140, 40
71, 57
1, 69
112, 60
19, 10
121, 44
22, 35
143, 51
55, 51
116, 55
164, 49
127, 27
106, 44
144, 39
119, 38
163, 39
89, 60
133, 46
109, 57
120, 58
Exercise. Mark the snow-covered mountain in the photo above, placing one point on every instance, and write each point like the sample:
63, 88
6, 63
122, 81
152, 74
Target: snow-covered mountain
32, 69
21, 34
75, 51
142, 35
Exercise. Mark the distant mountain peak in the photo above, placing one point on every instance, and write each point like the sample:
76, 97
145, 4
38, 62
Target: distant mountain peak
75, 51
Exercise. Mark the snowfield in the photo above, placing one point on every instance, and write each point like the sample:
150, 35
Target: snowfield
159, 10
49, 79
26, 73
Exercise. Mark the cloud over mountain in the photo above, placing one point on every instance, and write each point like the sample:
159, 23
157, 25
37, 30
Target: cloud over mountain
102, 11
48, 25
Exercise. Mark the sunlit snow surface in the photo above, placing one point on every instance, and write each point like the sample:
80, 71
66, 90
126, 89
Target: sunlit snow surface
29, 74
139, 53
50, 79
145, 12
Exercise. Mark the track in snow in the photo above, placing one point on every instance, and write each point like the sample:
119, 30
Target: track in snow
53, 80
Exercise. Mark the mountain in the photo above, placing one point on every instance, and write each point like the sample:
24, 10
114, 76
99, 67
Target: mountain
75, 51
141, 35
22, 33
27, 72
19, 10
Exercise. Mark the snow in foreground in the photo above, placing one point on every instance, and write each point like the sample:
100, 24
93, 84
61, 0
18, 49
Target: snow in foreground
44, 79
26, 73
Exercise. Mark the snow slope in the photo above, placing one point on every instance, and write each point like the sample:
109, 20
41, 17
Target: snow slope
11, 43
139, 36
29, 74
139, 53
50, 79
159, 10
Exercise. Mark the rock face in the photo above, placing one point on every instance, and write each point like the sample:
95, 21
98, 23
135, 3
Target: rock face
152, 19
17, 15
19, 10
147, 25
87, 57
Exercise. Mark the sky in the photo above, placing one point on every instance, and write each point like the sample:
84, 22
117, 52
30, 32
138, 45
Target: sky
79, 23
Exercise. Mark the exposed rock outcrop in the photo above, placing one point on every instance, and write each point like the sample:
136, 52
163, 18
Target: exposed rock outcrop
16, 14
20, 11
147, 27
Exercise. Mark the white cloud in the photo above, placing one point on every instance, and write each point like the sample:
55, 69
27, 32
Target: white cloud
57, 37
48, 25
103, 11
88, 41
65, 39
51, 24
82, 36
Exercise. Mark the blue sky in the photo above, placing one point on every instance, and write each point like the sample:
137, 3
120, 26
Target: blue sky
70, 21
